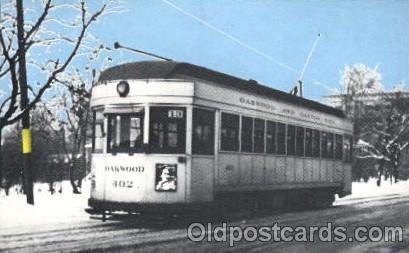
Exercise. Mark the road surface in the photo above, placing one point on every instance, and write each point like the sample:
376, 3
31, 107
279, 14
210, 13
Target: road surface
123, 233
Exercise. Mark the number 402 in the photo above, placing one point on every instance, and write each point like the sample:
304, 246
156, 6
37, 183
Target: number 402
123, 183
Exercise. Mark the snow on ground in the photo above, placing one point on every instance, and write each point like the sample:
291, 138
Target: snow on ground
69, 208
369, 190
64, 207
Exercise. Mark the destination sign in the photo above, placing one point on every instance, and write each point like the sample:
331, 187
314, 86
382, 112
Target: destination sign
311, 116
175, 114
124, 168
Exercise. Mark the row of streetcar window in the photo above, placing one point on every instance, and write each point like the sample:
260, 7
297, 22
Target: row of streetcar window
255, 135
249, 135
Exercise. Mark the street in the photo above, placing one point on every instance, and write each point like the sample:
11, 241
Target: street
123, 233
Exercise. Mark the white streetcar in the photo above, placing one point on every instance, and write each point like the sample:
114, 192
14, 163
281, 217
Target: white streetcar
170, 136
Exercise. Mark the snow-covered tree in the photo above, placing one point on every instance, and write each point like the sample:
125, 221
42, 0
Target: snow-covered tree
72, 114
358, 81
384, 133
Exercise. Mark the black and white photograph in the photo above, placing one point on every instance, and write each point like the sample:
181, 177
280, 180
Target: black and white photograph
204, 126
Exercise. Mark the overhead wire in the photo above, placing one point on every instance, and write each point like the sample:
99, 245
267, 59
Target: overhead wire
240, 42
233, 38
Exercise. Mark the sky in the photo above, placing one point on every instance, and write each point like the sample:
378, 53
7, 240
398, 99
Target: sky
267, 40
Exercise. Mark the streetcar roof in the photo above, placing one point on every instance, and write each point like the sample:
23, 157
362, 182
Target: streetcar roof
187, 71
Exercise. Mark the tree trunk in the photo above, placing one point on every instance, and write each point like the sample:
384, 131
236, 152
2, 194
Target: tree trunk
72, 179
396, 165
381, 169
7, 186
25, 121
7, 189
51, 187
50, 178
83, 142
72, 176
396, 173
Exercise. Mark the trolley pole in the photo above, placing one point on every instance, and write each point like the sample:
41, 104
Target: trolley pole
26, 132
117, 45
300, 83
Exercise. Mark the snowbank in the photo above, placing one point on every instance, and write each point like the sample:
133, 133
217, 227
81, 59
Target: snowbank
63, 207
369, 190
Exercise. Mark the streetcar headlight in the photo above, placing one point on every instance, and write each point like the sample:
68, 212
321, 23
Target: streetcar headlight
122, 88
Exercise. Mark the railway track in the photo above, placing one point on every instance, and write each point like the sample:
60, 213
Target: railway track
132, 233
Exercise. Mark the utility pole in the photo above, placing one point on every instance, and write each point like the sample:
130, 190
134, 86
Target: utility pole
26, 132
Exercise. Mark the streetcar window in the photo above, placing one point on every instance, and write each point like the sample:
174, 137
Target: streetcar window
167, 130
308, 142
290, 140
315, 143
203, 132
259, 126
347, 148
271, 137
135, 133
330, 146
98, 133
300, 141
112, 133
324, 141
246, 134
281, 138
230, 132
338, 147
125, 133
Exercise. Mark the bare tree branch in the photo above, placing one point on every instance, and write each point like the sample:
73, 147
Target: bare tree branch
60, 69
40, 20
13, 74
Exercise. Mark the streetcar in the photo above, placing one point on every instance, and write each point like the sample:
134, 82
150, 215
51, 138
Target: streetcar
171, 136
